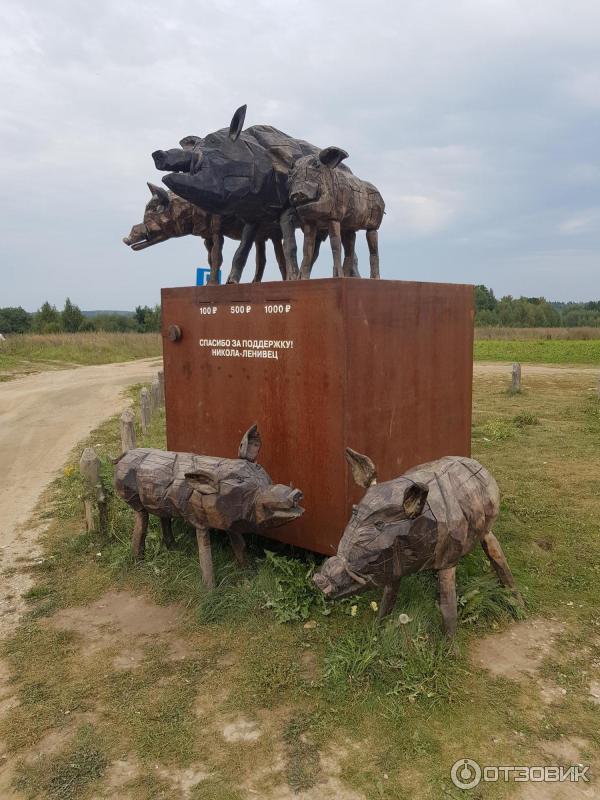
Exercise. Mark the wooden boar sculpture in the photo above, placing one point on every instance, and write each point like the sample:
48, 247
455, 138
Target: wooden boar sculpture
232, 495
428, 518
325, 195
168, 216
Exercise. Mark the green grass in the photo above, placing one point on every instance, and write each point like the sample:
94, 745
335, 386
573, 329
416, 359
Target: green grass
68, 775
322, 679
539, 351
516, 334
33, 352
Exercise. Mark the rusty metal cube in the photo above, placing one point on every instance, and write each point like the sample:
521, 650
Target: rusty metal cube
384, 367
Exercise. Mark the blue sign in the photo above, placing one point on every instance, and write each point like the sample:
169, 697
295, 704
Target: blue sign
203, 274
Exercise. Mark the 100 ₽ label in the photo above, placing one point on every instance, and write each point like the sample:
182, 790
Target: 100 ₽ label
245, 348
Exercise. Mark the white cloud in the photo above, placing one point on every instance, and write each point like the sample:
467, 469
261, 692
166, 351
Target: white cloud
584, 222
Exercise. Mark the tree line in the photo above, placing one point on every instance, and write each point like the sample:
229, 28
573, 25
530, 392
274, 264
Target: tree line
509, 312
532, 312
48, 319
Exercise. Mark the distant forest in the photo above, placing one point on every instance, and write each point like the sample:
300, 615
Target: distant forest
532, 312
48, 319
508, 312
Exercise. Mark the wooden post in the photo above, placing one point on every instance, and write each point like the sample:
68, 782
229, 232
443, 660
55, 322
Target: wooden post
161, 383
89, 465
145, 410
155, 396
516, 378
127, 426
205, 557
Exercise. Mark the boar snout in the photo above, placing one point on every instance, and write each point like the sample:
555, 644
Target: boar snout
278, 504
175, 160
323, 583
337, 579
160, 159
137, 234
304, 193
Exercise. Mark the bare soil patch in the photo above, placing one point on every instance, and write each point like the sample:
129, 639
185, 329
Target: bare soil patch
519, 650
126, 621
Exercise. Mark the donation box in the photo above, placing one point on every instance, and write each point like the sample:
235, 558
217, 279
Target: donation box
384, 367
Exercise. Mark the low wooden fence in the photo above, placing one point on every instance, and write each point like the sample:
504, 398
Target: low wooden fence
94, 501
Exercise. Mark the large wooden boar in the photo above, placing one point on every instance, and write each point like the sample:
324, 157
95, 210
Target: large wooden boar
428, 518
232, 495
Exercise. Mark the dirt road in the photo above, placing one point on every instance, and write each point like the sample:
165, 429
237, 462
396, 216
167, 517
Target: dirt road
42, 417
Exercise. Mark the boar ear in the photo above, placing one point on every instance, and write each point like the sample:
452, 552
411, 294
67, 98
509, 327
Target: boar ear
363, 469
160, 194
237, 123
189, 142
250, 444
415, 498
332, 156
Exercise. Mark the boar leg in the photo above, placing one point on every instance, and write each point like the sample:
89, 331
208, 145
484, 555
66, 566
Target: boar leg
335, 239
215, 257
280, 256
310, 238
208, 243
321, 236
350, 267
447, 583
388, 601
261, 260
493, 551
167, 532
241, 254
138, 540
288, 221
238, 545
205, 557
372, 241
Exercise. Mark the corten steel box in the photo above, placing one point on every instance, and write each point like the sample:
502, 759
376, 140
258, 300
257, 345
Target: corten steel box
384, 367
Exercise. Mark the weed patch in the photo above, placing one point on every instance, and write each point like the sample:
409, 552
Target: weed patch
68, 775
482, 599
525, 418
496, 430
292, 596
302, 755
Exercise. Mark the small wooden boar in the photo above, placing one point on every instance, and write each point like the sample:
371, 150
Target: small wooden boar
167, 216
328, 196
232, 495
428, 518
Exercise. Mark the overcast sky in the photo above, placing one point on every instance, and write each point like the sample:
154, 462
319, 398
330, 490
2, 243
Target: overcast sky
479, 121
